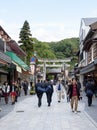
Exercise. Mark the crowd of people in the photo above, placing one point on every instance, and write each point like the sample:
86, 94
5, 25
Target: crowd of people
72, 90
13, 90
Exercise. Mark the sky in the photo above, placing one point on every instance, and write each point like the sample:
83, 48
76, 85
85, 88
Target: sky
49, 20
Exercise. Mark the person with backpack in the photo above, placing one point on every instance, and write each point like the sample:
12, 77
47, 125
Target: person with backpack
89, 91
49, 91
39, 89
60, 91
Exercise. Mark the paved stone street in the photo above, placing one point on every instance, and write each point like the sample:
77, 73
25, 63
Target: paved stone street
27, 116
93, 109
8, 108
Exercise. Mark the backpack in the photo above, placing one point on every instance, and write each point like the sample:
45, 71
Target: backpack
40, 89
89, 92
59, 87
48, 88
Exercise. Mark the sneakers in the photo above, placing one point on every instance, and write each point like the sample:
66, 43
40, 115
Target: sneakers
48, 104
12, 103
39, 105
72, 110
75, 112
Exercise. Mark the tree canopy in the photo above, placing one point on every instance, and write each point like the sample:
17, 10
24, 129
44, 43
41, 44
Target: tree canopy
43, 50
66, 48
26, 40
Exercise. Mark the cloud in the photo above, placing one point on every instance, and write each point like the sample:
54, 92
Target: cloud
54, 32
42, 31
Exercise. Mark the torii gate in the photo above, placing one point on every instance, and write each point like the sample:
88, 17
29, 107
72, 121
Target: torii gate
44, 65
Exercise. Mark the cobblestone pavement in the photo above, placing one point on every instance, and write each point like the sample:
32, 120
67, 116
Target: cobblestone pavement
93, 109
27, 116
7, 108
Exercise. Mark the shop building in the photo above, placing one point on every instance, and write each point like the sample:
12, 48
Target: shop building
11, 64
87, 65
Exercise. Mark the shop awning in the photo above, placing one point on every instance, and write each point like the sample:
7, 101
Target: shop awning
17, 60
4, 58
88, 68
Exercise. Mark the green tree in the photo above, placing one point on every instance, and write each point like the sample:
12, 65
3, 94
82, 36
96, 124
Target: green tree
26, 40
66, 48
43, 50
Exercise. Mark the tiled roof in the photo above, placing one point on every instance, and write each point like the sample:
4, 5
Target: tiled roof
15, 48
89, 21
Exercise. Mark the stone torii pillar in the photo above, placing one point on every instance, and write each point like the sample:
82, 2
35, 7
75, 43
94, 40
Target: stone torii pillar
44, 70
